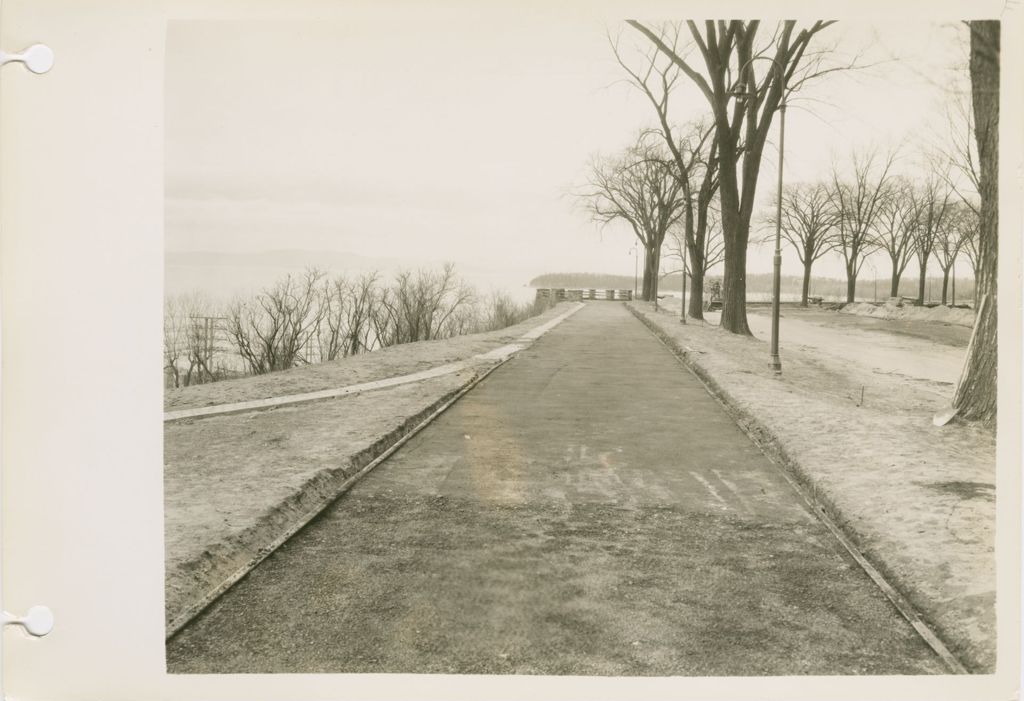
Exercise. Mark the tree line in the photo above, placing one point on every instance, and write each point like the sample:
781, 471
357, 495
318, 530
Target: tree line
875, 212
313, 317
698, 181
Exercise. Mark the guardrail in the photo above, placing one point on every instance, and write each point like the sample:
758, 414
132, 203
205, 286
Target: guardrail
574, 295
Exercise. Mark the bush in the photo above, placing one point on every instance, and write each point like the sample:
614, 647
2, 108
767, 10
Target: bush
311, 318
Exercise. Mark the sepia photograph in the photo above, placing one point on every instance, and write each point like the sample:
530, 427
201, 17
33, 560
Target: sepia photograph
508, 343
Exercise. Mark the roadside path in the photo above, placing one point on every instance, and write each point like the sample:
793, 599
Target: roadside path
875, 351
587, 509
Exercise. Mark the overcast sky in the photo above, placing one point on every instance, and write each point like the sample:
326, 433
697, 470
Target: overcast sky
430, 137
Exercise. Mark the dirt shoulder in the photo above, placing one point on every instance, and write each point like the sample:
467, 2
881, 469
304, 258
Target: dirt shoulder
918, 500
367, 367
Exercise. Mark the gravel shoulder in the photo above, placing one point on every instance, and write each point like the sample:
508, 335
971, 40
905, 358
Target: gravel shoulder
917, 499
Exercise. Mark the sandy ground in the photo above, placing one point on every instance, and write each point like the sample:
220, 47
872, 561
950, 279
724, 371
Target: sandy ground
387, 362
919, 500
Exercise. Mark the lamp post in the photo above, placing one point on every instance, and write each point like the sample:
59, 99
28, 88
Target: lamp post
682, 309
654, 292
777, 259
636, 270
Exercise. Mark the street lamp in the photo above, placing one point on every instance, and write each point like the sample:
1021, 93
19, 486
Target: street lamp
636, 270
682, 309
777, 260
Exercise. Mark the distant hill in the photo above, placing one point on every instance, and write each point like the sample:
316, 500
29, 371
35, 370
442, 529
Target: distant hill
585, 281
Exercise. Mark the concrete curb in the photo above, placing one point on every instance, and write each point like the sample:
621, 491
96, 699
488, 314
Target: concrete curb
805, 485
225, 563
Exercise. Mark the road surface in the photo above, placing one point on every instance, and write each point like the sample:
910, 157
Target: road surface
587, 509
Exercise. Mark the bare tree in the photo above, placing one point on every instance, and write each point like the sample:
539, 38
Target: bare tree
958, 225
273, 331
975, 396
309, 318
968, 223
191, 328
361, 311
895, 228
200, 340
332, 336
808, 225
175, 330
727, 50
420, 306
933, 206
694, 153
857, 205
638, 187
959, 151
714, 246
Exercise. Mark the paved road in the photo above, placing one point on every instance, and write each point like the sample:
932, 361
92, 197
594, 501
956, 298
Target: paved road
587, 509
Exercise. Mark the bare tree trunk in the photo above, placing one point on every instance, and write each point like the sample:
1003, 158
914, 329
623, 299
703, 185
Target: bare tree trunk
734, 296
894, 282
734, 278
651, 281
645, 285
975, 395
696, 302
807, 283
921, 282
735, 235
945, 285
975, 292
851, 283
696, 272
